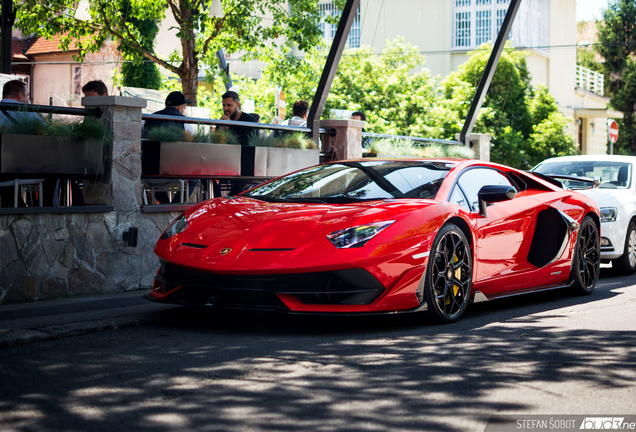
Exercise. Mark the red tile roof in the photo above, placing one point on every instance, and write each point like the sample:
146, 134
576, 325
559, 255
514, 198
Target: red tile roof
45, 46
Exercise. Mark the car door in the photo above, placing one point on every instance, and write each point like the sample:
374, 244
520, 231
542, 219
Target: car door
502, 237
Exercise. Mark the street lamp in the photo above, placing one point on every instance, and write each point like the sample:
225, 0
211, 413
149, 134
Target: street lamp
216, 9
83, 11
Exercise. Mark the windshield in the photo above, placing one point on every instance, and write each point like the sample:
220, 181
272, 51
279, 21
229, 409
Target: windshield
355, 181
614, 175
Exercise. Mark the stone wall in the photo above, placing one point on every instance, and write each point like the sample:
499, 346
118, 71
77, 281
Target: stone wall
52, 255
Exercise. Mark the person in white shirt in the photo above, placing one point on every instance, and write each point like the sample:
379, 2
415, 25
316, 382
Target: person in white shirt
300, 110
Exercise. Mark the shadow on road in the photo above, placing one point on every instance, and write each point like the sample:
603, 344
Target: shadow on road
267, 372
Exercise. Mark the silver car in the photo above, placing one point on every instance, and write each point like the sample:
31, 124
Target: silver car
616, 197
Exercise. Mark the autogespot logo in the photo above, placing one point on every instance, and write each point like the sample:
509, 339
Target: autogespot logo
605, 423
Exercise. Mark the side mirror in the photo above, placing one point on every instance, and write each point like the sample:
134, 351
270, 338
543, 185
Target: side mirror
492, 194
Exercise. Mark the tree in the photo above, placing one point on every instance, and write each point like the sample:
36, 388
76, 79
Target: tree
617, 46
140, 73
242, 29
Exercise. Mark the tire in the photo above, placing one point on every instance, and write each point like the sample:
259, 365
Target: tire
586, 262
448, 276
626, 263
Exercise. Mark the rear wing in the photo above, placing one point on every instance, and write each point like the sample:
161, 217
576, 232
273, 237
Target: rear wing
592, 183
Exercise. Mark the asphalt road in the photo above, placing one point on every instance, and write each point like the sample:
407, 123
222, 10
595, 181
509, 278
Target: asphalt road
546, 353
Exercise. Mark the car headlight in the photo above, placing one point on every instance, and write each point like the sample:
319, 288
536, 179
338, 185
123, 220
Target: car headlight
178, 225
357, 236
608, 214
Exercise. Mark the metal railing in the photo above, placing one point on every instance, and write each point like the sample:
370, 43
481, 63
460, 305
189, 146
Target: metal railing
589, 80
47, 109
215, 122
416, 140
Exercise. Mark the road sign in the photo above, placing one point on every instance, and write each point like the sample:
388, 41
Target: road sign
612, 130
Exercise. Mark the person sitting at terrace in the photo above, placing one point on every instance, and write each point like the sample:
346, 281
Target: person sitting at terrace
232, 111
95, 88
176, 104
300, 109
15, 92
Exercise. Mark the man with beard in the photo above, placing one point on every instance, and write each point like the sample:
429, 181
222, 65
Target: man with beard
232, 111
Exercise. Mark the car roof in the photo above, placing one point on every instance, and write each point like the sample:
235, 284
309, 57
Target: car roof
594, 158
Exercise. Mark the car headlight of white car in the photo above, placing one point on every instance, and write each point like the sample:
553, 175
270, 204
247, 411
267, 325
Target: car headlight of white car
357, 236
608, 214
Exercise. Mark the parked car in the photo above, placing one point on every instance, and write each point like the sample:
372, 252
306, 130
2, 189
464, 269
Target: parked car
616, 197
381, 236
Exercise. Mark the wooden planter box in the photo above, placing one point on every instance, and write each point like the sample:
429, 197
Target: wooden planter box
37, 155
275, 161
190, 159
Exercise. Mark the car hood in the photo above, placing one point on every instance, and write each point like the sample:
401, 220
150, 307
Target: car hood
608, 197
265, 225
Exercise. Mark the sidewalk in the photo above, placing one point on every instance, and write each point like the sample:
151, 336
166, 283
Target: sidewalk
54, 319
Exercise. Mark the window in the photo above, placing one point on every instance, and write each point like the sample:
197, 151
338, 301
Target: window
77, 80
329, 29
530, 29
472, 180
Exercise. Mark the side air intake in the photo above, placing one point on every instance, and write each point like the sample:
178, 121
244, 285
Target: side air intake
549, 238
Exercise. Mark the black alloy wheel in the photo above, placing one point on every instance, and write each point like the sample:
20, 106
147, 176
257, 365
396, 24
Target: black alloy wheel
448, 275
586, 262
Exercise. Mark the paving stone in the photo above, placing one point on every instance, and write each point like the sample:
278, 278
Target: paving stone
52, 249
66, 257
82, 280
11, 273
83, 247
59, 271
53, 287
123, 272
38, 264
98, 235
21, 229
32, 287
61, 234
101, 263
8, 250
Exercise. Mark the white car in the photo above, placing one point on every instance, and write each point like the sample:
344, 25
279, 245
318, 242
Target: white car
616, 197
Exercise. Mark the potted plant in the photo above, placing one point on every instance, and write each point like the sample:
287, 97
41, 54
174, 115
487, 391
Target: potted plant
30, 146
169, 150
278, 155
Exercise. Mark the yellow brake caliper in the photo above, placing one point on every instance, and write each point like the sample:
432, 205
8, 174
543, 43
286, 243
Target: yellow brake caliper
458, 274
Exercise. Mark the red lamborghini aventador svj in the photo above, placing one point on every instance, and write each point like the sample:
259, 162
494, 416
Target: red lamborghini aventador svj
380, 236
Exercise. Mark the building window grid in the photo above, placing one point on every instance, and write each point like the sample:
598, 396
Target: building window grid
329, 30
483, 26
533, 34
462, 29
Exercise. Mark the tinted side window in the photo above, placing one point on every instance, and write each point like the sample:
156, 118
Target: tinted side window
473, 180
458, 197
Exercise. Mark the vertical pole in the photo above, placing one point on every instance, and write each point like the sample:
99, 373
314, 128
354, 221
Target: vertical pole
6, 26
489, 72
331, 66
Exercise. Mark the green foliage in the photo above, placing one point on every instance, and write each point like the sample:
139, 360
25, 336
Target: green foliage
398, 147
443, 151
166, 133
202, 134
290, 25
617, 47
139, 73
88, 128
297, 140
549, 140
223, 136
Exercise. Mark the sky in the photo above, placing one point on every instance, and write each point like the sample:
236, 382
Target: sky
588, 10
